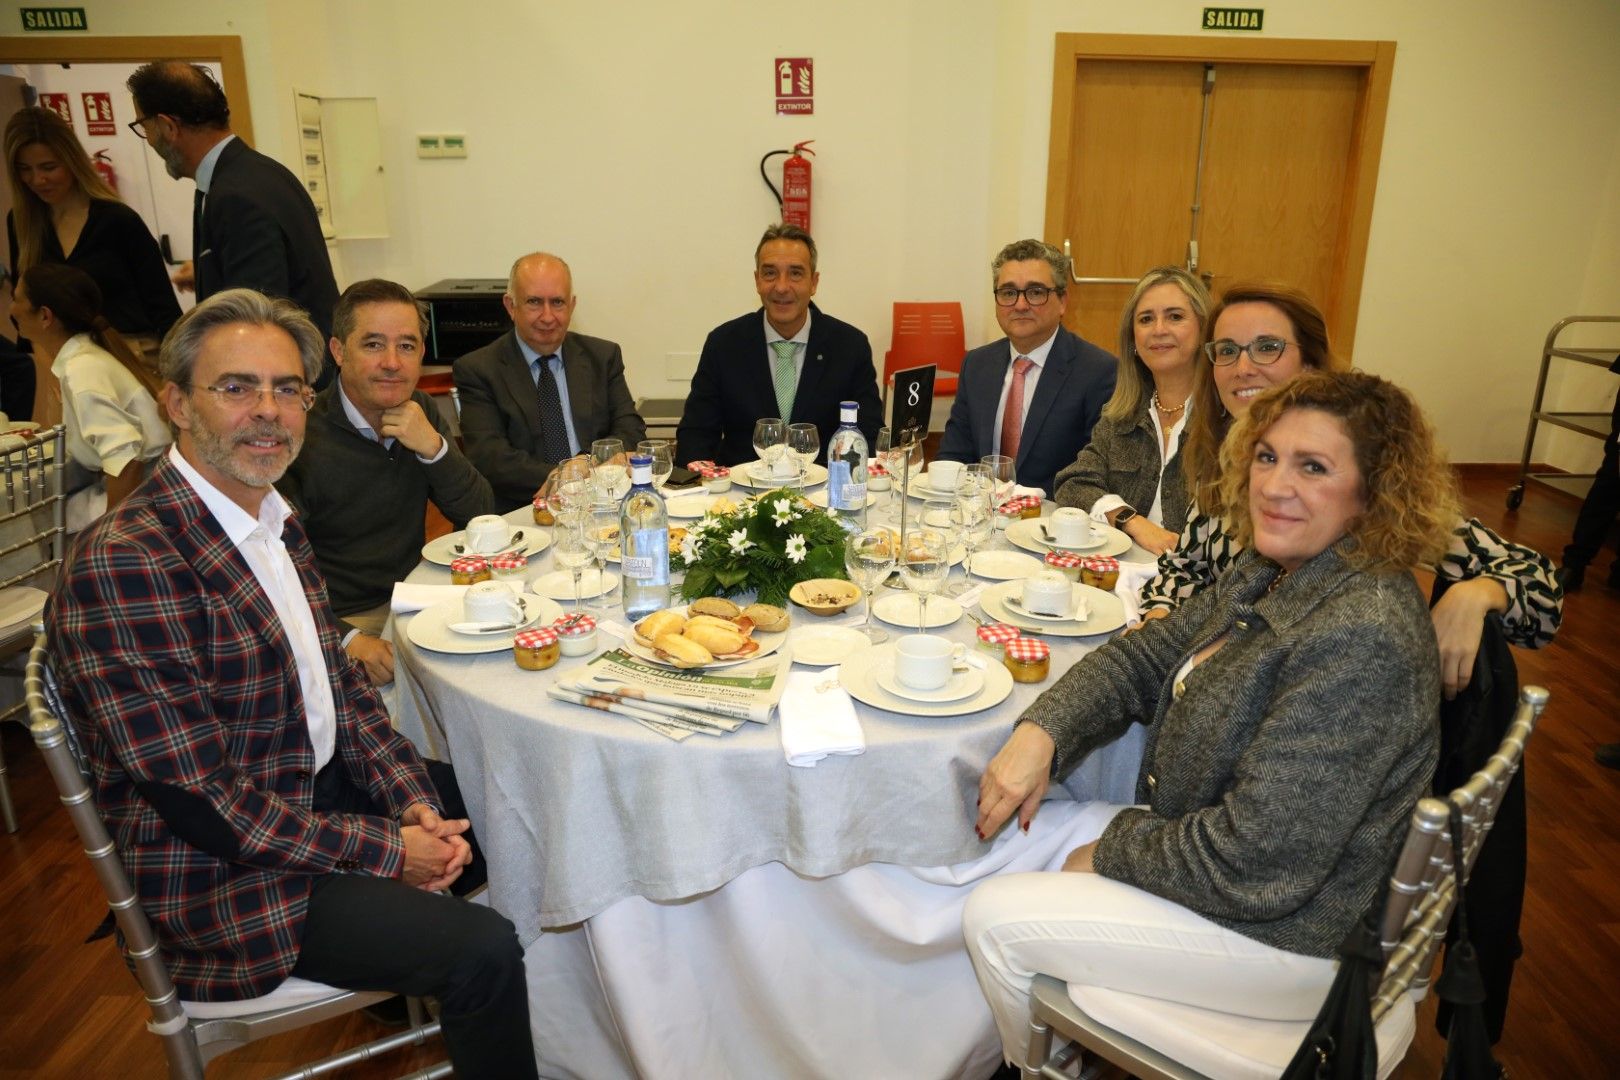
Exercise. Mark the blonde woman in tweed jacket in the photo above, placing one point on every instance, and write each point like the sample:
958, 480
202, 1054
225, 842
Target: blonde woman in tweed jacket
1129, 474
1292, 726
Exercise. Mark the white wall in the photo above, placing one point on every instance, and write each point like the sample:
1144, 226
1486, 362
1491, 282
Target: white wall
626, 137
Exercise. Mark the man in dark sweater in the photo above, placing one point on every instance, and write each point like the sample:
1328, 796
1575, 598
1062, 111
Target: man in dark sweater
376, 450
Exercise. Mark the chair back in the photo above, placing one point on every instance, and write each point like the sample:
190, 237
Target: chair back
1424, 886
31, 493
926, 333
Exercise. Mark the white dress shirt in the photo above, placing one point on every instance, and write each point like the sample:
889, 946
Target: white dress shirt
801, 339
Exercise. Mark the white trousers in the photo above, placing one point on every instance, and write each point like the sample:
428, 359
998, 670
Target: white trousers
1085, 928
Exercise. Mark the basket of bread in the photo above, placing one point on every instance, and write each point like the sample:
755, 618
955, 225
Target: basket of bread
711, 630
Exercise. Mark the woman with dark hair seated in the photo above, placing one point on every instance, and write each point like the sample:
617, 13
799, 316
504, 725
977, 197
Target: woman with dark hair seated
1262, 336
1292, 726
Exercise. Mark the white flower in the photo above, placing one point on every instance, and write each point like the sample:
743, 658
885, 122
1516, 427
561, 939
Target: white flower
796, 548
739, 541
689, 548
782, 514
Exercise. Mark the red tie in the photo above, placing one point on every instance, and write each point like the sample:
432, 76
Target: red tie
1012, 417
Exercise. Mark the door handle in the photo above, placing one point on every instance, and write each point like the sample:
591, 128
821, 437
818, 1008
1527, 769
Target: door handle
1092, 280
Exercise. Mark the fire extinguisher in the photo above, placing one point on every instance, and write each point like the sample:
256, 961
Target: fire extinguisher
794, 198
104, 166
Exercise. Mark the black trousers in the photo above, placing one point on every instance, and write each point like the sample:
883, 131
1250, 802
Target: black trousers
368, 933
1601, 506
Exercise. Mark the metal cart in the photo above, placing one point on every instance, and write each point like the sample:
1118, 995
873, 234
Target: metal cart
1595, 424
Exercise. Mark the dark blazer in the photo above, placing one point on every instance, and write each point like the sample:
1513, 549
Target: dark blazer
500, 414
259, 230
1075, 383
732, 388
179, 679
123, 259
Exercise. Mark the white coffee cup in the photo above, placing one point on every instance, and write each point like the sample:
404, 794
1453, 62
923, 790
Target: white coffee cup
1071, 526
487, 533
944, 475
924, 661
491, 602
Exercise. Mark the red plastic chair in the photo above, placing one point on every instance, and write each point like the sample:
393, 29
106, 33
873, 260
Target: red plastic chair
927, 333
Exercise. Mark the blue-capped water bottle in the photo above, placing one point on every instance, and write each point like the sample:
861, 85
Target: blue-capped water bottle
644, 543
846, 470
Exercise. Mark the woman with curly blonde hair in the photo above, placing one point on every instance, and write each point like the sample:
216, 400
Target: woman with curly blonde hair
1263, 336
1292, 715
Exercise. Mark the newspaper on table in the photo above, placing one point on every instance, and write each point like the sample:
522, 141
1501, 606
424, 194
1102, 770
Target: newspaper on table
677, 703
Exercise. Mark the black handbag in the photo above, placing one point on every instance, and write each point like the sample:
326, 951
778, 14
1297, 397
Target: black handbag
1340, 1044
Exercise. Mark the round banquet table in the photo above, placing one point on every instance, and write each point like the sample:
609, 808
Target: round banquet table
702, 908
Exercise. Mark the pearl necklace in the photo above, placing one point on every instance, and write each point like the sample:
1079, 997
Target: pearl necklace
1165, 411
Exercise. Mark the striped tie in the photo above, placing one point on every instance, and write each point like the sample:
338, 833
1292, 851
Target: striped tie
1012, 417
785, 378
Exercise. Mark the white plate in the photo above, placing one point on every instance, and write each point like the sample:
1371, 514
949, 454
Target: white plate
430, 627
1005, 565
1107, 612
744, 474
559, 584
900, 609
1024, 533
768, 643
820, 646
858, 675
535, 540
961, 684
689, 506
819, 498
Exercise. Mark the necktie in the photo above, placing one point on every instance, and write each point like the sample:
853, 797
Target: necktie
785, 378
1012, 417
197, 245
553, 431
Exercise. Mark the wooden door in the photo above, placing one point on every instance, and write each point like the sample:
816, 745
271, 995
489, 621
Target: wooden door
1289, 166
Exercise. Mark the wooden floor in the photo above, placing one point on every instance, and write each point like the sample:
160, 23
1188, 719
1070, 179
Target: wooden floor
71, 1010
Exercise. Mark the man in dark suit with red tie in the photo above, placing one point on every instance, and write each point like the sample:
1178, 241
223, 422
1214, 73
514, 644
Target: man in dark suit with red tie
1036, 394
787, 360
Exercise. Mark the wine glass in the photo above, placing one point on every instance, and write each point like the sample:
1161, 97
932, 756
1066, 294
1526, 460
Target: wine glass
936, 515
573, 554
662, 452
880, 452
924, 562
601, 534
570, 490
1004, 474
805, 441
609, 472
869, 557
971, 519
769, 433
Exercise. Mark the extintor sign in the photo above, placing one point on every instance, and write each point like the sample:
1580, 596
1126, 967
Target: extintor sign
795, 86
98, 113
58, 104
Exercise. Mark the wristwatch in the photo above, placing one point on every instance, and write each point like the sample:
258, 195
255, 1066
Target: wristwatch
1125, 514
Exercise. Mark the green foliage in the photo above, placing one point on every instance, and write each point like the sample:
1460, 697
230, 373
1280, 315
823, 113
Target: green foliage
767, 524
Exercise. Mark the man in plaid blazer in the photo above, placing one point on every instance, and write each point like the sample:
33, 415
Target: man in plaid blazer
273, 822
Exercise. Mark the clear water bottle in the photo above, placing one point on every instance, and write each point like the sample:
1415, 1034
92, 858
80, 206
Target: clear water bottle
644, 543
846, 470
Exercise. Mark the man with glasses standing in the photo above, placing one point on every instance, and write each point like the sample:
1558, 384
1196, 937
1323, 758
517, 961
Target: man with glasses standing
1036, 394
272, 821
254, 225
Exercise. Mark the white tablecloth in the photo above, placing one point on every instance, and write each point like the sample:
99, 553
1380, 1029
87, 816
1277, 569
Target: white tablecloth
744, 917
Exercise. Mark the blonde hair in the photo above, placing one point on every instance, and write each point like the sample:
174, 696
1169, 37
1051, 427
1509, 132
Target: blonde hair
1410, 495
1133, 378
29, 212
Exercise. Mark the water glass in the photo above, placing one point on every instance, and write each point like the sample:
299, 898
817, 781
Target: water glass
572, 554
805, 441
924, 562
602, 535
662, 452
609, 472
869, 558
769, 433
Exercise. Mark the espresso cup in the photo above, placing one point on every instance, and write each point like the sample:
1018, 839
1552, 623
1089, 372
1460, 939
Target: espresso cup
924, 661
944, 475
491, 602
487, 533
1071, 526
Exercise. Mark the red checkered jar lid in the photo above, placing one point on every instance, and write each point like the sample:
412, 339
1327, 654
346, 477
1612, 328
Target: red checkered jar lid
1018, 505
1027, 650
538, 638
1102, 564
510, 560
469, 564
997, 633
574, 624
1065, 560
876, 468
708, 469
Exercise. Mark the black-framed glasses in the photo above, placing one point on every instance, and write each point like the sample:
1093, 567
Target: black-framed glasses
285, 396
1264, 350
135, 125
1007, 295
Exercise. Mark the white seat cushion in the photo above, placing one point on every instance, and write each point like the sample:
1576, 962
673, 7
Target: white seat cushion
20, 605
1223, 1046
294, 991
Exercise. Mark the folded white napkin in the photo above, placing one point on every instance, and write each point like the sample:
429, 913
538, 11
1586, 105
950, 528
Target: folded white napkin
1132, 576
817, 718
1024, 489
410, 597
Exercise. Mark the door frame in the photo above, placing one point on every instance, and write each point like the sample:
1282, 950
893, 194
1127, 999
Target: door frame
226, 51
1376, 59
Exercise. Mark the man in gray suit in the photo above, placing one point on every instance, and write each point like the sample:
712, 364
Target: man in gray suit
541, 394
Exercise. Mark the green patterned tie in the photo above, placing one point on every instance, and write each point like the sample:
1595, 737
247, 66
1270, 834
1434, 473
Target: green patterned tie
786, 379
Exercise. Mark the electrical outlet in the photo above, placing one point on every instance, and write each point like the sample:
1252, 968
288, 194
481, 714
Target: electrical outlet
453, 144
429, 146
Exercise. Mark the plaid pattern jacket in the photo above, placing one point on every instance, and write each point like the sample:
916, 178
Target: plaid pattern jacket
184, 690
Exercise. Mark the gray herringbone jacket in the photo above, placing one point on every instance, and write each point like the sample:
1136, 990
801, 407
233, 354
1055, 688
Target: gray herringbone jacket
1279, 774
1122, 459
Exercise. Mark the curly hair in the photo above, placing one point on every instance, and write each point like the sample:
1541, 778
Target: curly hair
1133, 380
1208, 425
32, 217
1408, 487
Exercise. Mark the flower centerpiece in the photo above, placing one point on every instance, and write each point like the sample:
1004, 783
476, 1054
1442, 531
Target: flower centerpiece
766, 545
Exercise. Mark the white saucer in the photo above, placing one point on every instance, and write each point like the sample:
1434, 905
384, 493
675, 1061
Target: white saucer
532, 610
1025, 533
961, 684
1005, 565
744, 474
441, 550
559, 584
689, 506
1013, 601
858, 675
430, 627
821, 646
900, 609
819, 498
1106, 612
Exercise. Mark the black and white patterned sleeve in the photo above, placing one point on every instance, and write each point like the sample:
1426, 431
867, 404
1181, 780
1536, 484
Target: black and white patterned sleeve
1202, 554
1535, 599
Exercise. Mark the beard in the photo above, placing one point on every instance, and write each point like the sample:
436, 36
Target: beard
219, 451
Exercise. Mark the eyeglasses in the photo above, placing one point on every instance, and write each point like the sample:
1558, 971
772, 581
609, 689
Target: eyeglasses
1263, 350
135, 125
285, 396
1008, 295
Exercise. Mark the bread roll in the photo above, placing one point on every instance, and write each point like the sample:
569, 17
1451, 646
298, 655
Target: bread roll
657, 624
767, 617
683, 651
717, 636
718, 606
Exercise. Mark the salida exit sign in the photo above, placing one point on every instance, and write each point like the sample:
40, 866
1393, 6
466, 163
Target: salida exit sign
1226, 18
36, 19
